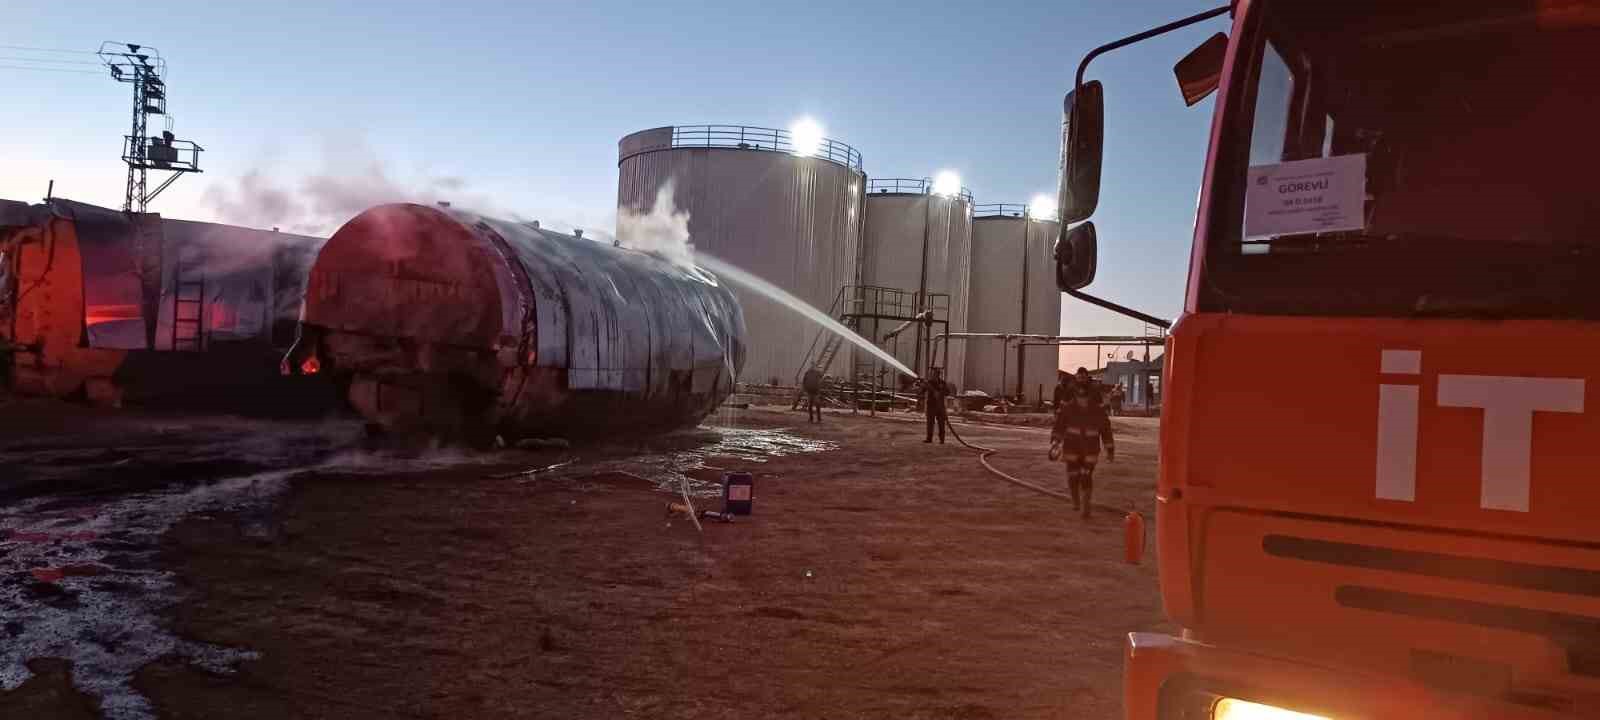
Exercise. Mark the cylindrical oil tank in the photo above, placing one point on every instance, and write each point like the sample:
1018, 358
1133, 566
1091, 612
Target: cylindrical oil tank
446, 322
918, 247
958, 283
1013, 291
790, 215
1040, 362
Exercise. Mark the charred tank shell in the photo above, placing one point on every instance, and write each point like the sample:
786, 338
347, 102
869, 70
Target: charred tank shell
134, 308
446, 321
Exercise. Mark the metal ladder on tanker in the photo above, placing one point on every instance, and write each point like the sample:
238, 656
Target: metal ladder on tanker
189, 294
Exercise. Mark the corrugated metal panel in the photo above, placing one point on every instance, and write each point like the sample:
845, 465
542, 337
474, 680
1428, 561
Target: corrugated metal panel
241, 269
957, 283
994, 301
625, 339
553, 344
622, 320
894, 237
644, 141
1044, 309
896, 228
907, 234
517, 314
790, 220
113, 289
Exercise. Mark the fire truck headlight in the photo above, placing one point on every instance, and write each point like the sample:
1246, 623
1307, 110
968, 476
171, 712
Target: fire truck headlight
1234, 709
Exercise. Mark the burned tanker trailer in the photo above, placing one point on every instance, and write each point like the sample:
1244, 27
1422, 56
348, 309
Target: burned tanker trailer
442, 322
116, 307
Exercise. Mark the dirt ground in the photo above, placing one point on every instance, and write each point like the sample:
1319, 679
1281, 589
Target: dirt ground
881, 579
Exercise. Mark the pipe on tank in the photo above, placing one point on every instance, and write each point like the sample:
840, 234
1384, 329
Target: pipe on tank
441, 321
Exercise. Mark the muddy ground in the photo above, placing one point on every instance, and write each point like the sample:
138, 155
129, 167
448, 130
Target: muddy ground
882, 578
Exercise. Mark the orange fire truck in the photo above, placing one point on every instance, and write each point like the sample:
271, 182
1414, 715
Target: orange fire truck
1376, 458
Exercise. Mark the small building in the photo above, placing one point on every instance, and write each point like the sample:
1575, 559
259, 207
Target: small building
1140, 381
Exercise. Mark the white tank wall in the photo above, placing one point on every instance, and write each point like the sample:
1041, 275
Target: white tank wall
894, 239
994, 300
791, 220
1002, 246
958, 282
1044, 310
897, 227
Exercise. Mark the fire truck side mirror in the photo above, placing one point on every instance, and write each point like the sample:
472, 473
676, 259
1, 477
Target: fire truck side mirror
1200, 72
1075, 257
1082, 138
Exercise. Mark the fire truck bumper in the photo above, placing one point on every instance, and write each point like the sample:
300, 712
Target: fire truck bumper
1171, 678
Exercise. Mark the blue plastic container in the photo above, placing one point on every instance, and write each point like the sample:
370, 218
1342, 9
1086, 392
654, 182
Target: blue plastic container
738, 493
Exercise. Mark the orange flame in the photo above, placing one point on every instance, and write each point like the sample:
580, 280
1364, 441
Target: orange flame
97, 314
310, 366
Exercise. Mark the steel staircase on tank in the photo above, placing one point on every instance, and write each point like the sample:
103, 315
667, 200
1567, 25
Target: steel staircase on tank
861, 308
830, 347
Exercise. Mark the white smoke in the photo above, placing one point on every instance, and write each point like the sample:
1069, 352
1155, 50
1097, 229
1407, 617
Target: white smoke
663, 229
352, 178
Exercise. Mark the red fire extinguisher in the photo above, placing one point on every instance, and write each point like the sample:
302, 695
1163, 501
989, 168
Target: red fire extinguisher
1133, 538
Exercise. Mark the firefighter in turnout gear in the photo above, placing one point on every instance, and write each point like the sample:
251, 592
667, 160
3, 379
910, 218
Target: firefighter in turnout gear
1081, 429
812, 384
934, 391
1063, 392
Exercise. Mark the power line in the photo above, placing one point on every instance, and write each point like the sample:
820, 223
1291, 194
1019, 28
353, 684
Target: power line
45, 69
52, 61
40, 49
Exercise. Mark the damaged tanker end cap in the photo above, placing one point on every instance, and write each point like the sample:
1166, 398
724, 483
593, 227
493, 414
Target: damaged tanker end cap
441, 322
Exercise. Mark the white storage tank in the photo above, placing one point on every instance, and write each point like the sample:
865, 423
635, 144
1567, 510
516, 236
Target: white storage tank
919, 241
1013, 291
790, 215
1039, 363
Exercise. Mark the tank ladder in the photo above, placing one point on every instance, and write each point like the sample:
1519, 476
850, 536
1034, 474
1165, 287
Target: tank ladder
830, 346
188, 328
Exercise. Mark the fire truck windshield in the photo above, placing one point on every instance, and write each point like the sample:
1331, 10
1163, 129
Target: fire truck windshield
1381, 159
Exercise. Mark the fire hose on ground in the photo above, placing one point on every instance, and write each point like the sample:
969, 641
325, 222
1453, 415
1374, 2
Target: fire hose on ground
1132, 523
984, 453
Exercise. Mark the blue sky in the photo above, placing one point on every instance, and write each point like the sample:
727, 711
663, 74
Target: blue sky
519, 105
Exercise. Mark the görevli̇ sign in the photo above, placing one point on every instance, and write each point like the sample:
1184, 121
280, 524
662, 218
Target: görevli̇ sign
1305, 196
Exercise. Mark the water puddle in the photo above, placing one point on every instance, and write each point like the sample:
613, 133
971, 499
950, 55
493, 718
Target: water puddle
81, 583
80, 578
681, 458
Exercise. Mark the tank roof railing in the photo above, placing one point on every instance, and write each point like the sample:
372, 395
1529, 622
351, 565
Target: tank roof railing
750, 137
907, 186
1014, 210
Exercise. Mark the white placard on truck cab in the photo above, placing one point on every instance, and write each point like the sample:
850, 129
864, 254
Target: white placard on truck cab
1306, 196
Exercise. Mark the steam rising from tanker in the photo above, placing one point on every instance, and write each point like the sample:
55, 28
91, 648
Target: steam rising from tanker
664, 230
352, 179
